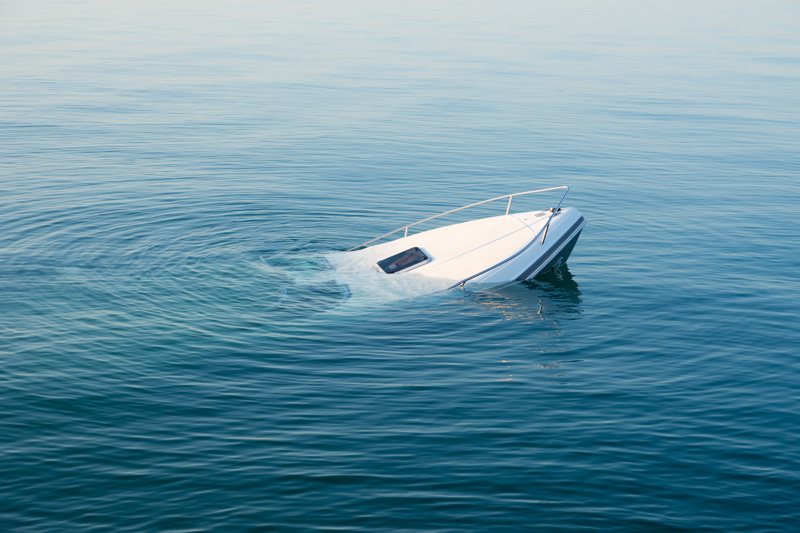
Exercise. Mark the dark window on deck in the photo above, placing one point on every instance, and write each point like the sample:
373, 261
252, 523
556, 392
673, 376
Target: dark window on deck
403, 261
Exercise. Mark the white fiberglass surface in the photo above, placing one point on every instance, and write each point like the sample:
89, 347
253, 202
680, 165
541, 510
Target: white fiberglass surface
559, 226
457, 251
354, 280
460, 250
367, 283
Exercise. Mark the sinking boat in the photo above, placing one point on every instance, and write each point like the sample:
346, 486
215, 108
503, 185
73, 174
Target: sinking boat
483, 252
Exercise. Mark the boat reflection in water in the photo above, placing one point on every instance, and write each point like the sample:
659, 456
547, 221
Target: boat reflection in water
537, 310
550, 297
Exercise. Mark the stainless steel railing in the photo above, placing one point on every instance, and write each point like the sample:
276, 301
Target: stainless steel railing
542, 232
508, 209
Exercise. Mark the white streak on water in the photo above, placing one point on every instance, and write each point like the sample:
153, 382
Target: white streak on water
284, 295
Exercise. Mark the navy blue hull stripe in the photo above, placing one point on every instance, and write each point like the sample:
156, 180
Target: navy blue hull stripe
544, 258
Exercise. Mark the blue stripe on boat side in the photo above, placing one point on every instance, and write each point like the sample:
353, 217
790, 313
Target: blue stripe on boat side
546, 256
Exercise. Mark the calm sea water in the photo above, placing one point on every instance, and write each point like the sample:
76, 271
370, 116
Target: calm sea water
177, 356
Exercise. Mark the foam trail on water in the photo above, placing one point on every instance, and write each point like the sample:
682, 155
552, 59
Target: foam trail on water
369, 285
340, 281
284, 295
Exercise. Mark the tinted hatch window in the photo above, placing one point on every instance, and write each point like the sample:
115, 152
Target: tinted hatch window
403, 261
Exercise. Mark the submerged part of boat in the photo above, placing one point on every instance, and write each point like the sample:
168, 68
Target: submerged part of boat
489, 251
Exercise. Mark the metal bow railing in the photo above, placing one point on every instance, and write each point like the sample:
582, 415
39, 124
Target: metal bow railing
508, 210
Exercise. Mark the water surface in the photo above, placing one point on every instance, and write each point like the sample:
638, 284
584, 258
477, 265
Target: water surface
178, 356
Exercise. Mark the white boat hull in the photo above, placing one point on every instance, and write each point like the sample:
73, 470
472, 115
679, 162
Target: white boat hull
490, 251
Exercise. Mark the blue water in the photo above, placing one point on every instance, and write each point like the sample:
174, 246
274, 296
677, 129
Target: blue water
177, 355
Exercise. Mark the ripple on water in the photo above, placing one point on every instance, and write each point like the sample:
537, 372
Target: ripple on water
184, 348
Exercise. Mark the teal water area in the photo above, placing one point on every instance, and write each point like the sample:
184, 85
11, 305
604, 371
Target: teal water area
177, 355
